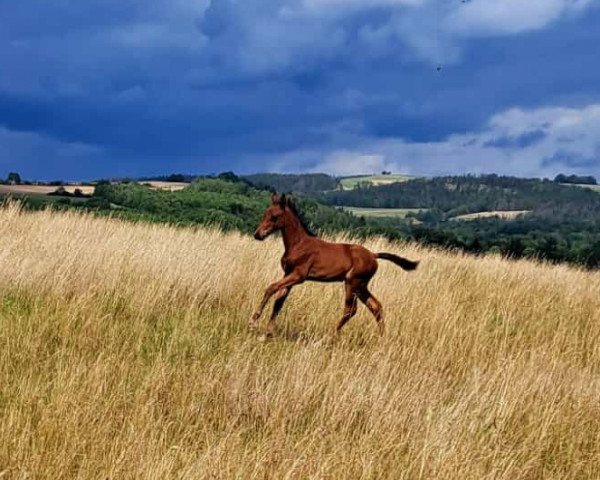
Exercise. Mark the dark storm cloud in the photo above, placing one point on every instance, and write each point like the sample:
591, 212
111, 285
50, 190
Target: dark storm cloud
572, 160
139, 88
520, 141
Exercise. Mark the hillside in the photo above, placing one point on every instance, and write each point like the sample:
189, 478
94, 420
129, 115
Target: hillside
230, 204
470, 194
125, 353
562, 223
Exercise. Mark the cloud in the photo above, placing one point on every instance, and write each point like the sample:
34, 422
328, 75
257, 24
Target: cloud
508, 17
204, 85
537, 143
78, 48
279, 35
343, 6
86, 44
29, 153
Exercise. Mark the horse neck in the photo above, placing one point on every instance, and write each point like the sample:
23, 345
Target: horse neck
293, 232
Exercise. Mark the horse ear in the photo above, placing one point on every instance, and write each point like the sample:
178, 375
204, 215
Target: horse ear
274, 198
283, 200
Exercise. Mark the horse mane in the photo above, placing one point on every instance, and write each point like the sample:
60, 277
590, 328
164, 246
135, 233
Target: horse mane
300, 218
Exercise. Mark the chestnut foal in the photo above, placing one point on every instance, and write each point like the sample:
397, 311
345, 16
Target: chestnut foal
309, 258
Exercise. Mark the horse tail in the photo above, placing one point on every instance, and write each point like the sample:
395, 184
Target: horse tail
401, 262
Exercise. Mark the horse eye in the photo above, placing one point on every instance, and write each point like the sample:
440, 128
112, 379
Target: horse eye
273, 218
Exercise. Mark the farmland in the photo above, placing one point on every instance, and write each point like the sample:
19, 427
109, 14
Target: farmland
348, 183
383, 212
21, 190
504, 214
168, 186
125, 353
42, 189
595, 188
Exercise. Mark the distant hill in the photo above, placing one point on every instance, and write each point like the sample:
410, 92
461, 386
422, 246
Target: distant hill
227, 203
311, 183
454, 196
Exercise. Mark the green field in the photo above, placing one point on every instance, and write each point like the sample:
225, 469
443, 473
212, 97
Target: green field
503, 214
349, 183
38, 199
38, 195
595, 188
383, 212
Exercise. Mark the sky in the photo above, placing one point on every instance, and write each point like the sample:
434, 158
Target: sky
109, 88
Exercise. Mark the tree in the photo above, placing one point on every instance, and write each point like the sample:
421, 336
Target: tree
560, 178
229, 177
60, 192
13, 178
176, 177
576, 179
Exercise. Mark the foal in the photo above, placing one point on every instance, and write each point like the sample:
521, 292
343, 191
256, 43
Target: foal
309, 258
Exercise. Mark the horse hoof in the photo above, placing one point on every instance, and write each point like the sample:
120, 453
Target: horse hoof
265, 338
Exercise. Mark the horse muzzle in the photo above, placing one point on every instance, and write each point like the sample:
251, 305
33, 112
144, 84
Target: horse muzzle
259, 236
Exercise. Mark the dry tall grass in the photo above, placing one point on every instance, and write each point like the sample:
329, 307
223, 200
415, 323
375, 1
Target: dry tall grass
125, 353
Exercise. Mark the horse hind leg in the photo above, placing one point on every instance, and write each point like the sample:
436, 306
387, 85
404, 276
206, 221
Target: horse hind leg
349, 306
374, 307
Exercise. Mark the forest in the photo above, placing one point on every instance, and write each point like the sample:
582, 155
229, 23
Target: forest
453, 196
308, 183
229, 202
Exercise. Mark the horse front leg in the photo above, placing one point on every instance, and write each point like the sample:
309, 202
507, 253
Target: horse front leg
285, 283
279, 301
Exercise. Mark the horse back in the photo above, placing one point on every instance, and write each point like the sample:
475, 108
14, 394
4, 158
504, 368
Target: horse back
337, 261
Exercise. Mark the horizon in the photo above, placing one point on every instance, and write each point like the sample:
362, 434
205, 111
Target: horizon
164, 176
425, 87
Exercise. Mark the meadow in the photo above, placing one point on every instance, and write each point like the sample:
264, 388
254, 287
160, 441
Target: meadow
382, 212
595, 188
42, 189
348, 183
125, 353
503, 214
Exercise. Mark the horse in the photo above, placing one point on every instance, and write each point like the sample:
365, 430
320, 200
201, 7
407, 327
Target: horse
308, 257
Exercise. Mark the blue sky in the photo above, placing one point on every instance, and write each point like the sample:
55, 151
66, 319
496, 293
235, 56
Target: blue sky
94, 88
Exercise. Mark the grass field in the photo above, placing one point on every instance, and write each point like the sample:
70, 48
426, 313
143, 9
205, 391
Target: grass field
349, 183
383, 212
42, 189
504, 214
38, 190
125, 353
